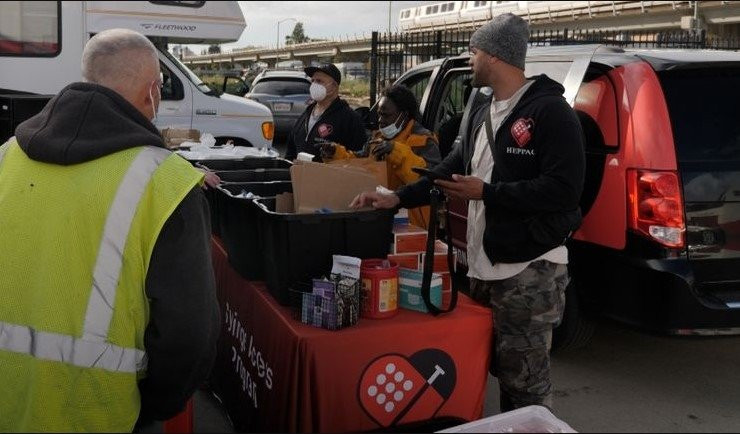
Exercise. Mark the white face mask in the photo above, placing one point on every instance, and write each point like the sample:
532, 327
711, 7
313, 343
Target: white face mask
318, 92
154, 109
392, 130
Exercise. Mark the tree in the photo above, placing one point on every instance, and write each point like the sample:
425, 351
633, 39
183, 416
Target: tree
214, 49
298, 36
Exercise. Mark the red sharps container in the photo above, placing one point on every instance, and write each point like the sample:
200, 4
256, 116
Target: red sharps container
379, 287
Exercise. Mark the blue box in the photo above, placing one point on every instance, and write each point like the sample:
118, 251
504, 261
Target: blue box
409, 285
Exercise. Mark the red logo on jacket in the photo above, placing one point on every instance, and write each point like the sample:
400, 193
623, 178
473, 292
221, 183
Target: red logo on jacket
324, 130
521, 131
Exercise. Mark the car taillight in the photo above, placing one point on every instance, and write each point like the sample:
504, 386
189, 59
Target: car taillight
268, 130
655, 206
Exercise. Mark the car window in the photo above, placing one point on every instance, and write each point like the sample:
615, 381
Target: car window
454, 97
702, 104
282, 86
418, 84
30, 28
171, 85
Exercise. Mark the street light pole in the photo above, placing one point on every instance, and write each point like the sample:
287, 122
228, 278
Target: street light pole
277, 40
390, 3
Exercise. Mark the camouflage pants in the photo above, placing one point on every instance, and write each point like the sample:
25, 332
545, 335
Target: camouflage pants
525, 308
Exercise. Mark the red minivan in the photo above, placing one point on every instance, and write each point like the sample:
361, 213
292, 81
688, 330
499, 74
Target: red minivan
659, 245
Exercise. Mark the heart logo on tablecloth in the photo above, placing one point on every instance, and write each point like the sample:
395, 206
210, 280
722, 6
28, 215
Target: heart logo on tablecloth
395, 390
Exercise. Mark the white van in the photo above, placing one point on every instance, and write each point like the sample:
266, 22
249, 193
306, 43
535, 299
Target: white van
41, 45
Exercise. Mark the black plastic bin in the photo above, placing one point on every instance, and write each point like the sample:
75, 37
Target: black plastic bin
222, 166
254, 175
240, 226
246, 164
299, 247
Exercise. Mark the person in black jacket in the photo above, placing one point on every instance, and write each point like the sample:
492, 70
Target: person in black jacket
521, 166
327, 119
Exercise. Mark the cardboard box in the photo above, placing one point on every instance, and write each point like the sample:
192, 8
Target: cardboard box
440, 258
406, 260
173, 137
379, 169
408, 238
409, 285
318, 186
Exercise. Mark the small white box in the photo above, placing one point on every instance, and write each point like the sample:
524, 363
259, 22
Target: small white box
534, 418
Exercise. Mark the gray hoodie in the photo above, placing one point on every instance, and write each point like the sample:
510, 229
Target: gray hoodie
85, 122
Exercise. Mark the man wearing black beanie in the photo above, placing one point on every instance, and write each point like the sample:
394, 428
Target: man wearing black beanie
522, 171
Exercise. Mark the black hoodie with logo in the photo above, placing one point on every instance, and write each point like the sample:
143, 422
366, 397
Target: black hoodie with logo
85, 122
339, 124
532, 198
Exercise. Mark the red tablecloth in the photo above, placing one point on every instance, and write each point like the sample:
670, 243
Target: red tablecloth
275, 374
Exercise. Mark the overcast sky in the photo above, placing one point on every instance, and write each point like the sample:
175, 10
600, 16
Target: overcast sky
321, 19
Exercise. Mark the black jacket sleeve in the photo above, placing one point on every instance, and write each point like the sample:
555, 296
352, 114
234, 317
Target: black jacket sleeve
417, 194
561, 163
180, 339
356, 134
290, 150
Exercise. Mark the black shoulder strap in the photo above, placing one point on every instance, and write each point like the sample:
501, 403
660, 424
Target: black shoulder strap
489, 130
426, 280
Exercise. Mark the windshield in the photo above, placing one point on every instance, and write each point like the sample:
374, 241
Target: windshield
703, 108
189, 74
282, 87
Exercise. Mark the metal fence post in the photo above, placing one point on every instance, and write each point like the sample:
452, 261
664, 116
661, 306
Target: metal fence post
373, 68
438, 45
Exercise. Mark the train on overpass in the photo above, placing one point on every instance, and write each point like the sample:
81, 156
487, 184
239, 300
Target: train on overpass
624, 14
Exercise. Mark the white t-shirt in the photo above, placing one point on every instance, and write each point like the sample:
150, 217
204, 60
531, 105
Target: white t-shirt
312, 119
479, 266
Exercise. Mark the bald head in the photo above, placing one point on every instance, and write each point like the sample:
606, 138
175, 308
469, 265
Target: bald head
125, 61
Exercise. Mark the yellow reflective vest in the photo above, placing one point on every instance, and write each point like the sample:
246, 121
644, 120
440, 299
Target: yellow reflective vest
75, 245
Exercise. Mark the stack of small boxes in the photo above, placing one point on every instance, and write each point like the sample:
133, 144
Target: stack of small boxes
333, 304
408, 251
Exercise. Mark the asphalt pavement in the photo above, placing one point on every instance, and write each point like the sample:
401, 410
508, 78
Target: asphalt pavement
631, 381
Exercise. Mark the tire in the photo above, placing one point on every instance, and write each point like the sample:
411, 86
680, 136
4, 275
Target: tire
575, 331
237, 141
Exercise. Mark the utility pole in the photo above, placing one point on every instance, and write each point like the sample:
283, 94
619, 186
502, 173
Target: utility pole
390, 3
277, 40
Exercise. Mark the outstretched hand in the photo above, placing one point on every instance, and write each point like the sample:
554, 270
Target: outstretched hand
376, 200
211, 179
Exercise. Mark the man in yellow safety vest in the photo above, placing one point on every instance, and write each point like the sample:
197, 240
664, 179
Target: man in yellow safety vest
108, 312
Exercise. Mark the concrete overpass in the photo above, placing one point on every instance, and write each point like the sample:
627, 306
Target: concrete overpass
355, 47
720, 18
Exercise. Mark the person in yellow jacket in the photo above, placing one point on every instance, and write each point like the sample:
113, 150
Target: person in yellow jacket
109, 312
401, 141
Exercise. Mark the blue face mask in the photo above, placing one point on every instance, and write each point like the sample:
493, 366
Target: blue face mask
392, 130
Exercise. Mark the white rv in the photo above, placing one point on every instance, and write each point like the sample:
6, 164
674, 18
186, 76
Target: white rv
41, 45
